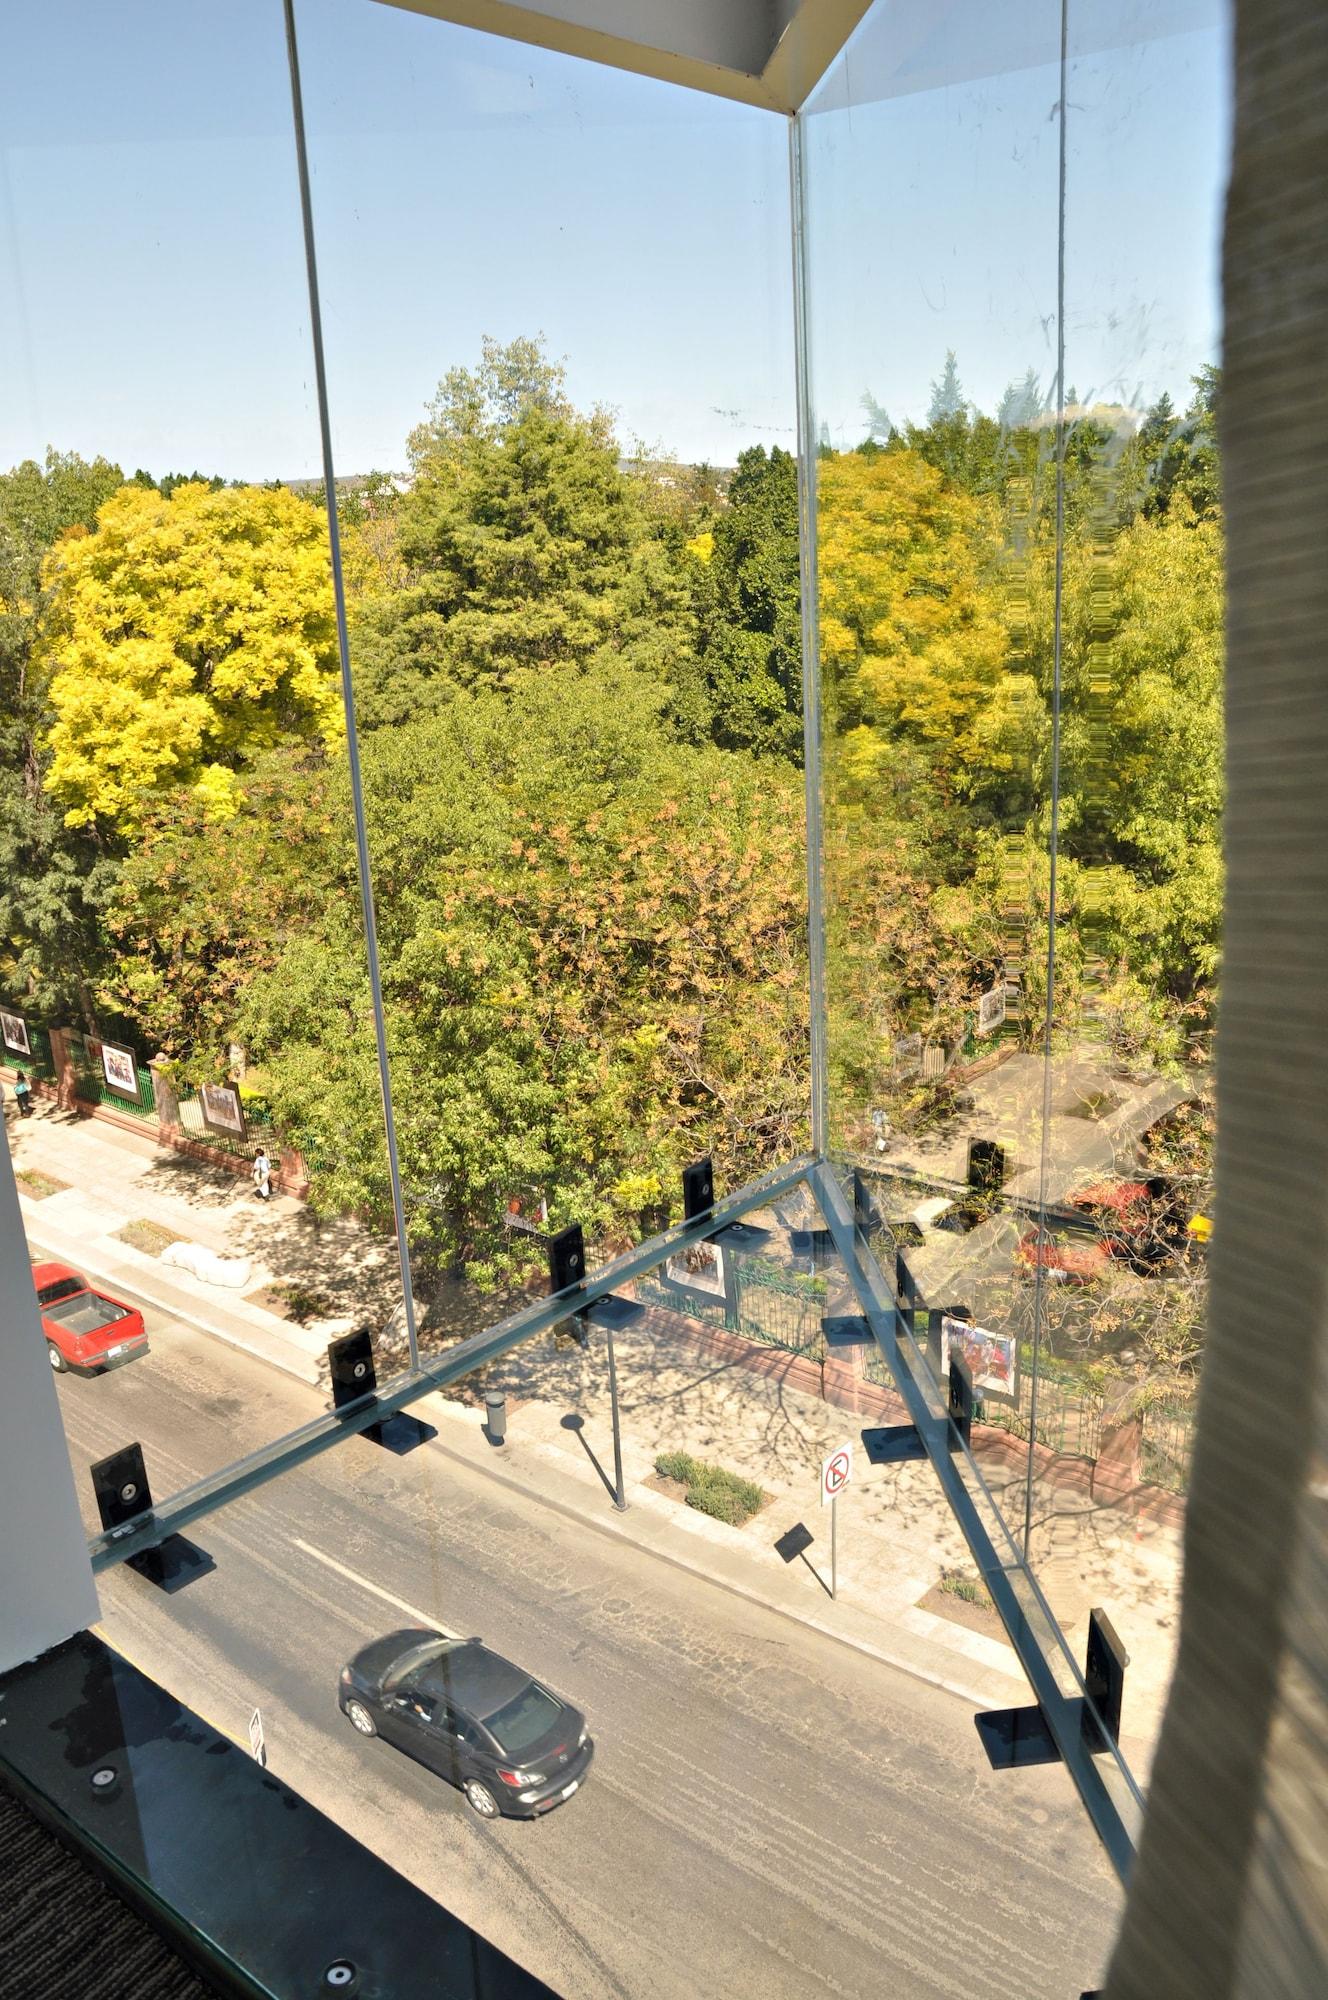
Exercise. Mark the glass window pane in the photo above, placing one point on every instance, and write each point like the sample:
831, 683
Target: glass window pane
558, 320
1019, 574
174, 812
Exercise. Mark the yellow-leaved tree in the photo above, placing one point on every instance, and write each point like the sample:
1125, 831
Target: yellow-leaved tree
187, 636
915, 645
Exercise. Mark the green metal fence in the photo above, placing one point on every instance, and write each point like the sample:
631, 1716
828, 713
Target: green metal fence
38, 1064
1069, 1422
781, 1308
259, 1129
777, 1307
91, 1087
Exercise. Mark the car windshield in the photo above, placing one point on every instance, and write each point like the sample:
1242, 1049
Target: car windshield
524, 1720
411, 1666
62, 1288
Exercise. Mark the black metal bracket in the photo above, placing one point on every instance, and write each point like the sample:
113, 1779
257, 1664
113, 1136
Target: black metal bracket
867, 1217
613, 1312
124, 1502
1016, 1737
354, 1379
891, 1444
567, 1270
818, 1244
848, 1330
698, 1189
745, 1238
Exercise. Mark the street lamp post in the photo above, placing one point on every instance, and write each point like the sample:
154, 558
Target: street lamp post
567, 1266
619, 1494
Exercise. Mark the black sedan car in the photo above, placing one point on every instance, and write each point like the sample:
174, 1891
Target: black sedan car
513, 1746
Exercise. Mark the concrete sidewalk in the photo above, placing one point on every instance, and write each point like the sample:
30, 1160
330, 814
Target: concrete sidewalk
104, 1180
754, 1410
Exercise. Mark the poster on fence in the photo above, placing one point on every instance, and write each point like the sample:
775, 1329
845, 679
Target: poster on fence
222, 1110
15, 1031
991, 1010
992, 1358
120, 1069
697, 1272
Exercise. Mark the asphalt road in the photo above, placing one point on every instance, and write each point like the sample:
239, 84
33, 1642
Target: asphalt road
769, 1813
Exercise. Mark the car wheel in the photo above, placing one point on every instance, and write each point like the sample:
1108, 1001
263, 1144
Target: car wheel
480, 1798
361, 1718
56, 1358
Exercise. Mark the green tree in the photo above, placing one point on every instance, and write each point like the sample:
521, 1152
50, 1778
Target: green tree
523, 543
1142, 745
591, 946
168, 481
53, 881
914, 644
744, 689
947, 396
203, 908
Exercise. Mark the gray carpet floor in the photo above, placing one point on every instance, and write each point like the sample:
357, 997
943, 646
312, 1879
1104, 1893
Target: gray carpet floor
65, 1936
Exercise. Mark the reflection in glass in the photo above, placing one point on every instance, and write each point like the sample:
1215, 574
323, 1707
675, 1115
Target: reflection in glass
1128, 1148
1012, 385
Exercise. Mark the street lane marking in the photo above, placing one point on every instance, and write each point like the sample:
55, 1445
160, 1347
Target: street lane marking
351, 1576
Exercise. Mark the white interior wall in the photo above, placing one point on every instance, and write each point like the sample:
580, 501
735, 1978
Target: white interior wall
46, 1587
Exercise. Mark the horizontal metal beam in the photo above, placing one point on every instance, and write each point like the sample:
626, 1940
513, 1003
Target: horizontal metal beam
325, 1432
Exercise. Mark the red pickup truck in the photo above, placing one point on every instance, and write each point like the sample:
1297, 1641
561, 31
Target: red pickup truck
85, 1329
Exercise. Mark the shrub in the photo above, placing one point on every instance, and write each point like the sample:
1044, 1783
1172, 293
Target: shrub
957, 1584
712, 1490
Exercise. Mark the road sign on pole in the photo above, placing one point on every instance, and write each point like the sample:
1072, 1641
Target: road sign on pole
836, 1472
257, 1746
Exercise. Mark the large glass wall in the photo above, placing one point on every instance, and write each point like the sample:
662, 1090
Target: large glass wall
559, 404
561, 386
562, 419
176, 818
1012, 337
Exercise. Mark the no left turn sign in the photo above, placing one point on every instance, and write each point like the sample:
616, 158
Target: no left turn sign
836, 1472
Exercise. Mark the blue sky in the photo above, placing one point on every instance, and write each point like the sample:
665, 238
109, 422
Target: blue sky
152, 301
934, 218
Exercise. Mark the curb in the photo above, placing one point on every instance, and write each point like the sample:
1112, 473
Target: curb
733, 1588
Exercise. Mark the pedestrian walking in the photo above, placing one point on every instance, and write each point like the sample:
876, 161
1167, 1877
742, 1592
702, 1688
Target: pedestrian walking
262, 1173
23, 1095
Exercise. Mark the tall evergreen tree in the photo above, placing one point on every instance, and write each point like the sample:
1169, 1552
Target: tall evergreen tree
947, 397
745, 690
524, 546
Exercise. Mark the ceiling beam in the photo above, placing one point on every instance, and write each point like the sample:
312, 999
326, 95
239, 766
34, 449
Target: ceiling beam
764, 52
